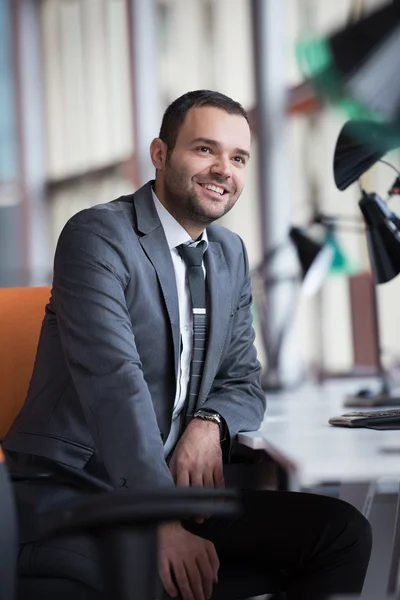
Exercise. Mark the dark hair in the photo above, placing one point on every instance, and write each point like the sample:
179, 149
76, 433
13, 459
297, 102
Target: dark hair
176, 112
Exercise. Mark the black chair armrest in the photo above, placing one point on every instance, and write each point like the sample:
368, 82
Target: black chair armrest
8, 535
125, 527
145, 508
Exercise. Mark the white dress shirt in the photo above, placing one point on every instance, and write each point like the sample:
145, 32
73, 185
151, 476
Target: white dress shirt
177, 235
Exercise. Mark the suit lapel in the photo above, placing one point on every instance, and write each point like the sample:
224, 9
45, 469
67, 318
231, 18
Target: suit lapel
219, 289
156, 248
219, 286
155, 245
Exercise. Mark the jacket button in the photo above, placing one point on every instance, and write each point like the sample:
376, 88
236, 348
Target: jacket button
122, 482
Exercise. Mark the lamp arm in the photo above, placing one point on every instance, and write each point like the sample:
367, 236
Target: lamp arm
351, 229
325, 219
340, 222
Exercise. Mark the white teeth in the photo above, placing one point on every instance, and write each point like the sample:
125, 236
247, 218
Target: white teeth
214, 188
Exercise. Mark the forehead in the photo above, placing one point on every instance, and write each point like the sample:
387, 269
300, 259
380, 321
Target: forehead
216, 124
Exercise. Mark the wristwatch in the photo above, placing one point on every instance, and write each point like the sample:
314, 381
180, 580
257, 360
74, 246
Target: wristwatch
212, 415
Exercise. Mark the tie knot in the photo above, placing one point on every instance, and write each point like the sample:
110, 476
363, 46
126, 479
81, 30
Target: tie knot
192, 255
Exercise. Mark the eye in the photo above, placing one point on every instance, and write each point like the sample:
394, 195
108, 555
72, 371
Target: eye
204, 149
239, 159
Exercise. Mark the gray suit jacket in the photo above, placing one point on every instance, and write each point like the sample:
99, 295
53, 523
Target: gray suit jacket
102, 392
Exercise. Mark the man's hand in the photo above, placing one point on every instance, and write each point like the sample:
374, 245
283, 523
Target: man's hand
197, 458
192, 561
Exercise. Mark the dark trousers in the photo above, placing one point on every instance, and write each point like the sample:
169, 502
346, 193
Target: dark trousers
320, 545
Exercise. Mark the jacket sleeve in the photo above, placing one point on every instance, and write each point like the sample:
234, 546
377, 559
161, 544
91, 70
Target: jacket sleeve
236, 391
90, 276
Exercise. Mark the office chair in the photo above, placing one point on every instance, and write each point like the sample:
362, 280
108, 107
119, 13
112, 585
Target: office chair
8, 535
124, 526
21, 316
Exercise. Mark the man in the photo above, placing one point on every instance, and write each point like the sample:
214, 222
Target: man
108, 403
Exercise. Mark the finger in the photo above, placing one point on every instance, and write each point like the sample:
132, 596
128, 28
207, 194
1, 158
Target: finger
195, 580
196, 478
182, 580
208, 478
164, 571
214, 560
182, 478
219, 481
213, 479
207, 574
172, 468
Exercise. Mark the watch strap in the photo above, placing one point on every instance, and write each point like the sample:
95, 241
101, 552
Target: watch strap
212, 415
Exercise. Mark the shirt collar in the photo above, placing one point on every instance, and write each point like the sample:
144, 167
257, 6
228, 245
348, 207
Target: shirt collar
174, 232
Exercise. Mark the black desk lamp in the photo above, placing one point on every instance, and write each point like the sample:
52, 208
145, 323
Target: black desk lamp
356, 66
354, 154
359, 146
315, 260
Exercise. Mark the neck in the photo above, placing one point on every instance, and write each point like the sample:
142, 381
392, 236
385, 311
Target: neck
195, 230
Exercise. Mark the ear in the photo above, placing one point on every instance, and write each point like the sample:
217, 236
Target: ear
158, 153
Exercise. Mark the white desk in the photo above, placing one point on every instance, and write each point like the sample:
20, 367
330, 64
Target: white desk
297, 435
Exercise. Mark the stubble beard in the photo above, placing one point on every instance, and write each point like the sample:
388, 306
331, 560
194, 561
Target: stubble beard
184, 203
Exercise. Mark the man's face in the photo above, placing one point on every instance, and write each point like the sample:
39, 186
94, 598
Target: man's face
205, 173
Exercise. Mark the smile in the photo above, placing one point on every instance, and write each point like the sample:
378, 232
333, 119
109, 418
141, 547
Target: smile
214, 188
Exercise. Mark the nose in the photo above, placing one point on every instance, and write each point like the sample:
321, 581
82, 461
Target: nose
222, 166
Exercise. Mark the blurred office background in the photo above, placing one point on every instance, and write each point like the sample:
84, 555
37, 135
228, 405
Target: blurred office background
83, 85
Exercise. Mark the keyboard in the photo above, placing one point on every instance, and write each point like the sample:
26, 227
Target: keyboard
383, 419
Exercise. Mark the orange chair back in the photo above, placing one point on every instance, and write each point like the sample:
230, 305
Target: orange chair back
21, 316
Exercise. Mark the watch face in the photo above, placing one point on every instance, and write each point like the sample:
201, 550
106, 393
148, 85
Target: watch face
209, 412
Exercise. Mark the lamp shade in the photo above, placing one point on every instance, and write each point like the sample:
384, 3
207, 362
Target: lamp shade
359, 146
383, 237
315, 260
356, 67
340, 265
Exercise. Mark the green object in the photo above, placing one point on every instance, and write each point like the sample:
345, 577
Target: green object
341, 265
317, 63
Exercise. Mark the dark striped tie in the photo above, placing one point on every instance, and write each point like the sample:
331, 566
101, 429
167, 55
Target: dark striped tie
193, 257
